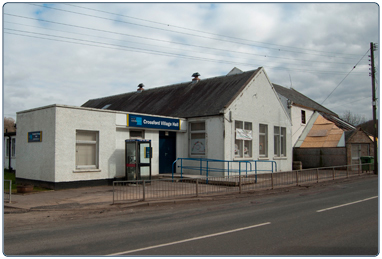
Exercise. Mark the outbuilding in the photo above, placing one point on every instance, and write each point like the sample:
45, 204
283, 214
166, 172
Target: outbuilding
236, 117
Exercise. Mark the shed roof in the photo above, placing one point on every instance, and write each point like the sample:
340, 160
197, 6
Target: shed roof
300, 99
207, 97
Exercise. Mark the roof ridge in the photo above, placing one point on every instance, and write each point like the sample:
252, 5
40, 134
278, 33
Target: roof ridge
173, 85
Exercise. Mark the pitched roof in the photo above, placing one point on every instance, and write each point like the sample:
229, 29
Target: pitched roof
204, 98
300, 99
338, 122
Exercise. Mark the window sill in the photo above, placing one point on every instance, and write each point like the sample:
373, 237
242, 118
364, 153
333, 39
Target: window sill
242, 158
280, 158
88, 170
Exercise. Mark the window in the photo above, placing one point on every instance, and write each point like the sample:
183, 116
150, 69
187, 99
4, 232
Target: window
263, 140
86, 149
137, 134
243, 139
303, 118
279, 141
13, 147
198, 138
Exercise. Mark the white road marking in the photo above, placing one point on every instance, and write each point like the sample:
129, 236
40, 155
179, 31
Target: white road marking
190, 239
350, 203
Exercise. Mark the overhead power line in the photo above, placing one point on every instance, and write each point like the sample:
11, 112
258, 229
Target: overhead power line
184, 33
199, 31
161, 53
184, 44
345, 76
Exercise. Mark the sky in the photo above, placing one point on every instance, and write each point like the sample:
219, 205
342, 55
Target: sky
68, 53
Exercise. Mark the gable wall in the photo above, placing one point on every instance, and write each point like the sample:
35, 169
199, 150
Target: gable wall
258, 103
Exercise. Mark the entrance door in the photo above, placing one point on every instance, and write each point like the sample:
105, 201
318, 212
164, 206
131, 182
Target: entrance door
167, 151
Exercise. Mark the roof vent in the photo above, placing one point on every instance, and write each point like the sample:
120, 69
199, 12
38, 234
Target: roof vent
140, 88
195, 77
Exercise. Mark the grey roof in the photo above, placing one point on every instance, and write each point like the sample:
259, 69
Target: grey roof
338, 122
300, 99
204, 98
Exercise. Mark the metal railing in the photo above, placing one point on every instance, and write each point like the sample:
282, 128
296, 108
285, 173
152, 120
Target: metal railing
159, 189
7, 190
207, 167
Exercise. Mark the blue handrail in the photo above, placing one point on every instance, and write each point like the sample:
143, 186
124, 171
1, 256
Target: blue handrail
208, 169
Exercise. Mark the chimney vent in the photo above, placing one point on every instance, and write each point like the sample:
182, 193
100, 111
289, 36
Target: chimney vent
140, 87
195, 77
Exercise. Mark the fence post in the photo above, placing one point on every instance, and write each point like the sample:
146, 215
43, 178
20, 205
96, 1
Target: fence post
10, 190
272, 180
113, 192
144, 191
228, 169
239, 183
347, 171
296, 178
334, 174
207, 171
197, 187
317, 174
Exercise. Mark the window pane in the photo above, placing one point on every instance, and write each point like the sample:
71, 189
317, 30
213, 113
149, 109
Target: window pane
238, 124
303, 117
86, 149
247, 148
86, 154
248, 125
134, 134
86, 136
198, 140
196, 126
283, 141
239, 148
198, 145
276, 143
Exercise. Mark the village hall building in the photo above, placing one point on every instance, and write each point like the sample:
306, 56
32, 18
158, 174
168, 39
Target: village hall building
235, 117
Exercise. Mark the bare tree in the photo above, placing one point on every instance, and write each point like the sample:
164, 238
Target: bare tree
9, 125
353, 119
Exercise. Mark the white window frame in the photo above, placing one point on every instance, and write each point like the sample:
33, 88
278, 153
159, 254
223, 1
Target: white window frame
197, 140
303, 117
279, 139
263, 147
94, 143
241, 144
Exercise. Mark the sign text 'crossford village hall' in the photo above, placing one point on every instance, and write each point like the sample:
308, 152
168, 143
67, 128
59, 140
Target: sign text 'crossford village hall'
152, 122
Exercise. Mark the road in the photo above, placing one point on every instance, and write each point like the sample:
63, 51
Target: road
335, 219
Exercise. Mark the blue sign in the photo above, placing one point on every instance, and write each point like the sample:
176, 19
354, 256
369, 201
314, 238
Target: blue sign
35, 136
141, 121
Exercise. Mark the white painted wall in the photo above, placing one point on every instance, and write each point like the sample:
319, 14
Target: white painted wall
54, 158
36, 160
297, 126
70, 119
259, 103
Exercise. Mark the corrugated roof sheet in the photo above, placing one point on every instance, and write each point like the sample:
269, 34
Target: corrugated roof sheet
204, 98
300, 99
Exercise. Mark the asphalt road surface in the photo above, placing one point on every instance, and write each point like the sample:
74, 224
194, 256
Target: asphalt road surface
336, 219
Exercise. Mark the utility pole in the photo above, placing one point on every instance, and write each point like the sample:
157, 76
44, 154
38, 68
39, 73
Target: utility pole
375, 123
